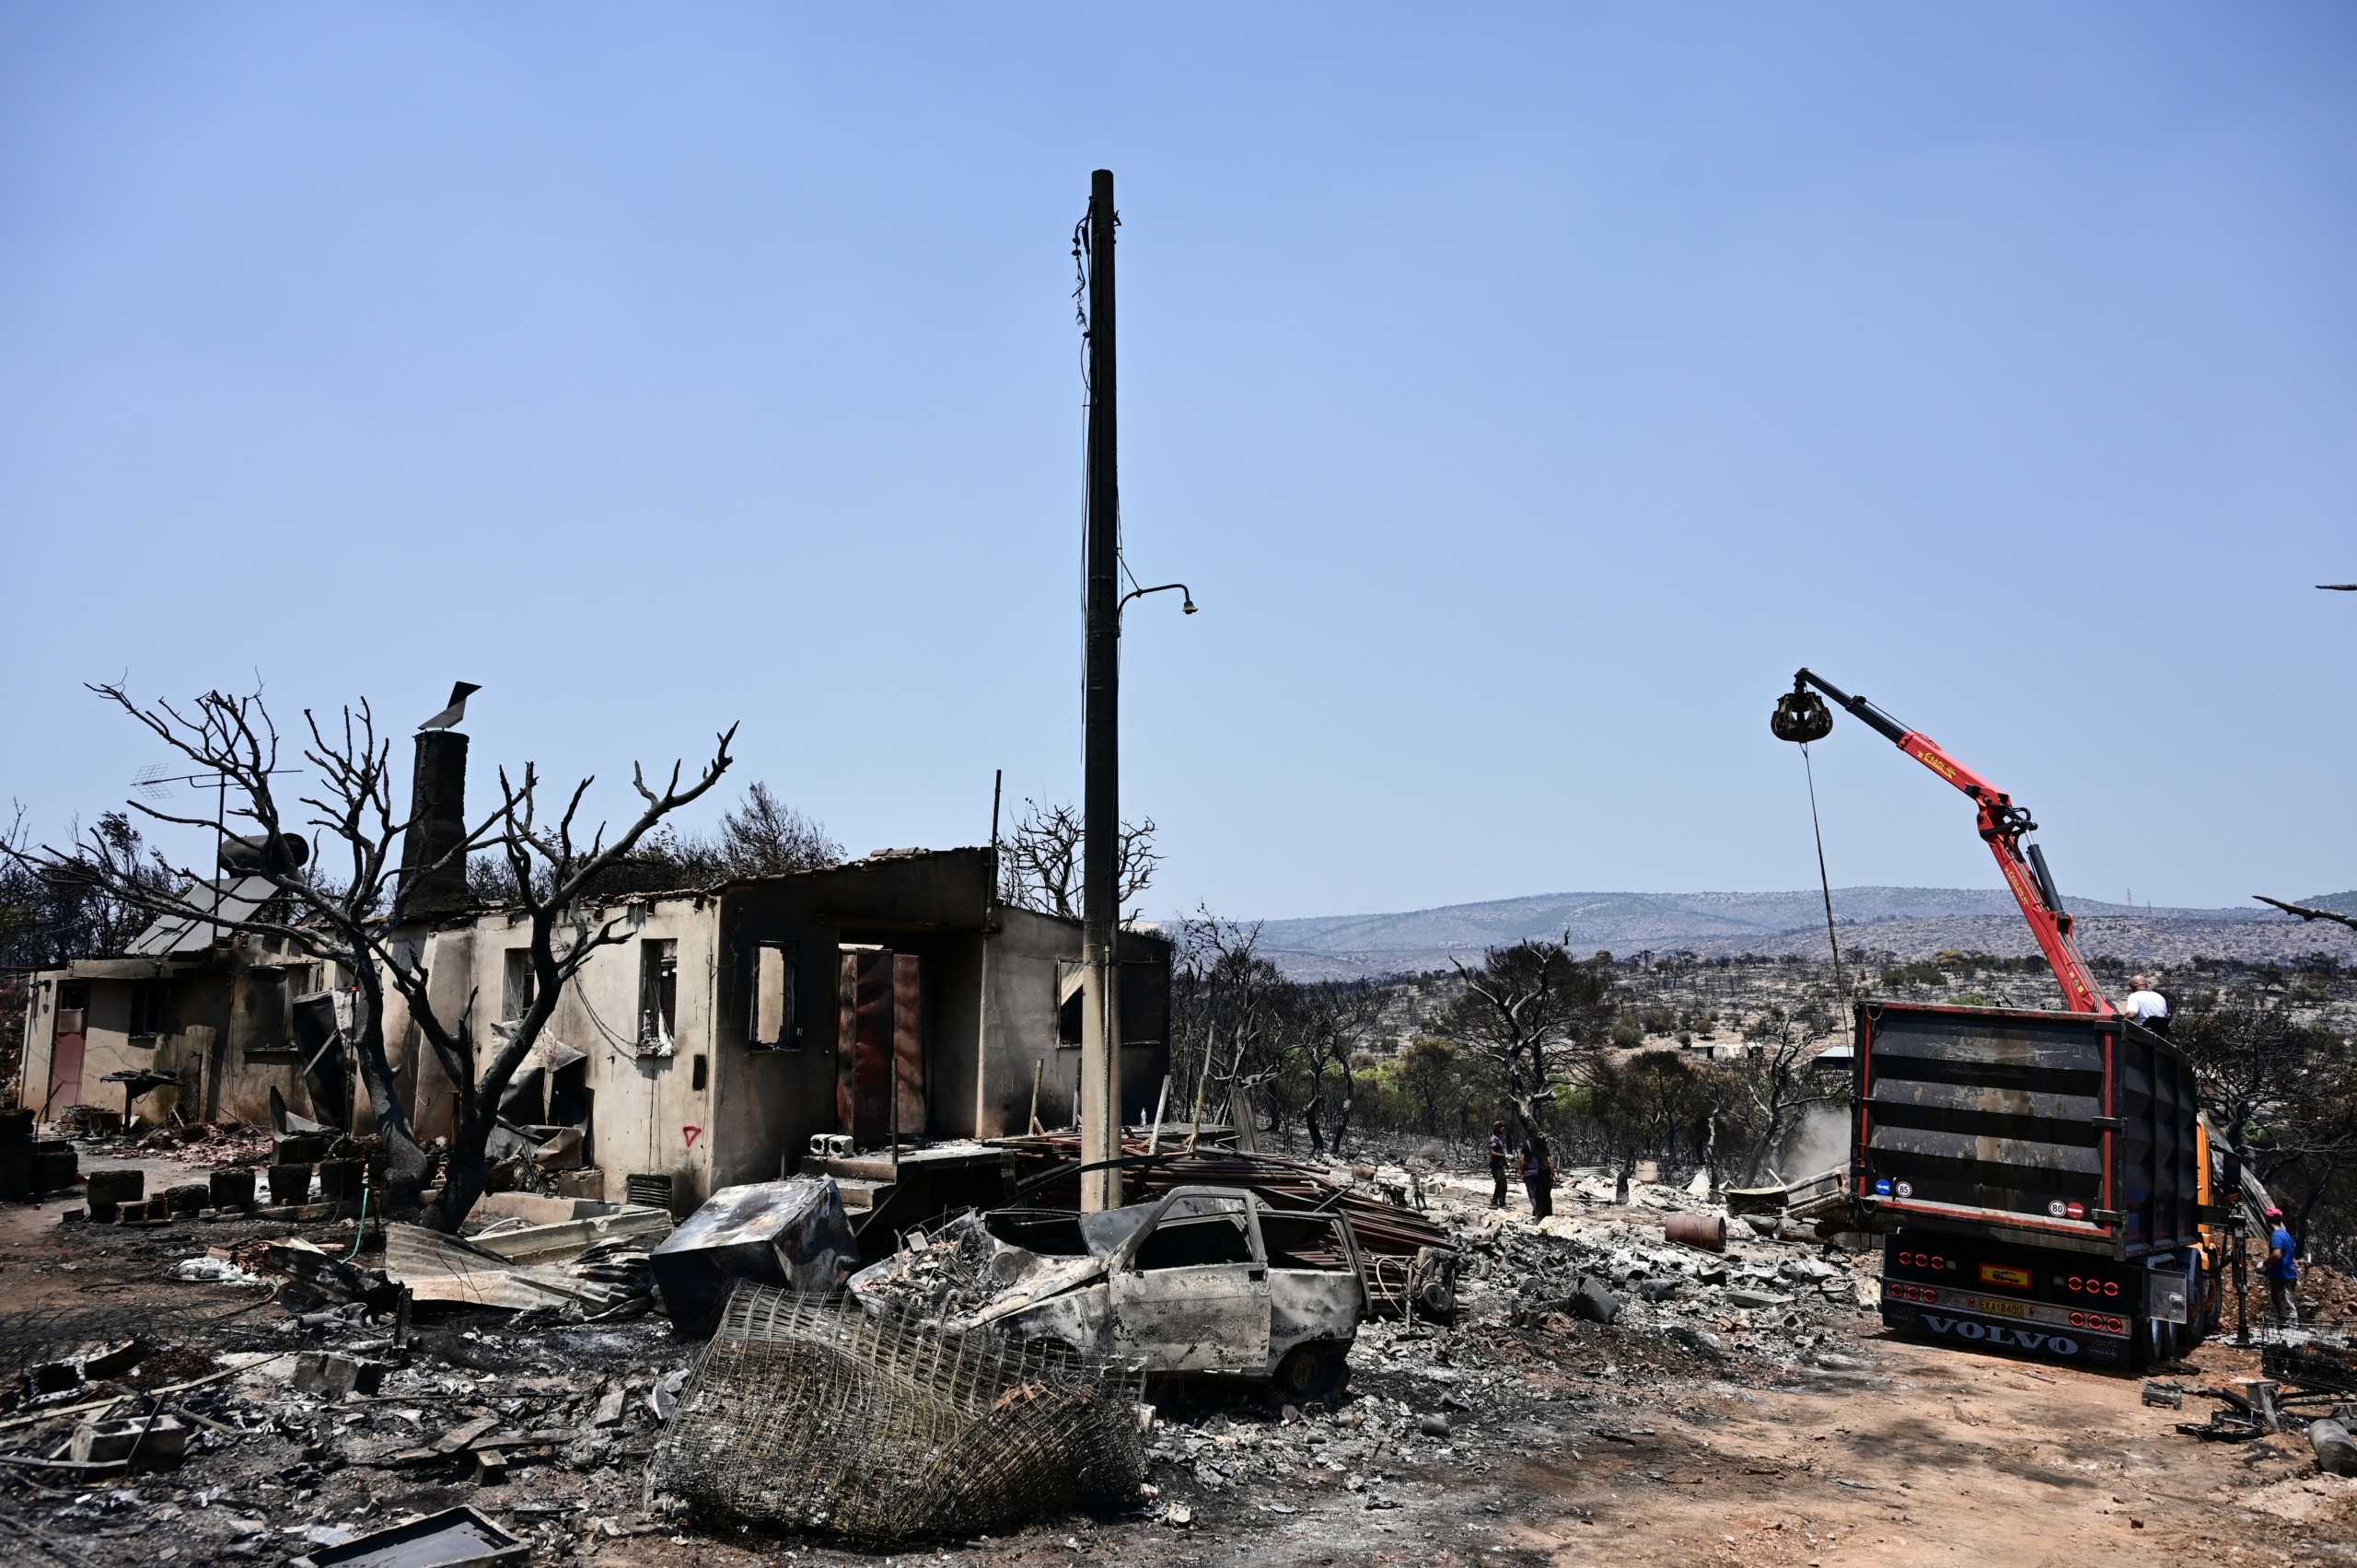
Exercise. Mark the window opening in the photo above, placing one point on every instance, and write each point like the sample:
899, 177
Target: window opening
150, 1009
267, 1020
775, 1024
1069, 978
1194, 1243
517, 985
658, 997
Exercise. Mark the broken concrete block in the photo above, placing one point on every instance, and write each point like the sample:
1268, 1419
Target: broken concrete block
332, 1376
232, 1189
491, 1468
110, 1189
186, 1199
144, 1444
54, 1169
54, 1377
590, 1183
300, 1148
790, 1233
290, 1183
342, 1179
610, 1406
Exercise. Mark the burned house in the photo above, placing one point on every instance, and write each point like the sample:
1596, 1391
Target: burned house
887, 1002
190, 1018
892, 998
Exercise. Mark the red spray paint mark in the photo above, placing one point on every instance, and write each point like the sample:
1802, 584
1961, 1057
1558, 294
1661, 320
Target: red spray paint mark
692, 1134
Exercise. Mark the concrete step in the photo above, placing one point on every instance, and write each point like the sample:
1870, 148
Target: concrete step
855, 1167
860, 1194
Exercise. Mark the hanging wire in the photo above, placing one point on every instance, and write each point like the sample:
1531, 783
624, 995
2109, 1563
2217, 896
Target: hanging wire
1823, 883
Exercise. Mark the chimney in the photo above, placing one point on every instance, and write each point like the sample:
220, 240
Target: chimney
437, 798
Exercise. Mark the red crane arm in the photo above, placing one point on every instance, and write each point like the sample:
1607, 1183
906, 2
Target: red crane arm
2003, 826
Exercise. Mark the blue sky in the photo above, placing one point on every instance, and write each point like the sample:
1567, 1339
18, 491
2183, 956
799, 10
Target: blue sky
1524, 392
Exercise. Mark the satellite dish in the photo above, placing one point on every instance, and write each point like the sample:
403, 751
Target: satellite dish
460, 691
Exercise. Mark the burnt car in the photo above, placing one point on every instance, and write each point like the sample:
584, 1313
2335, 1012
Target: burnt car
1208, 1282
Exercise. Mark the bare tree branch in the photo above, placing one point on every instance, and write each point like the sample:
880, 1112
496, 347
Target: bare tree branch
2308, 913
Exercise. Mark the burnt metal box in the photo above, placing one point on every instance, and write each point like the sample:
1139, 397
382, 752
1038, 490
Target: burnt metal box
790, 1233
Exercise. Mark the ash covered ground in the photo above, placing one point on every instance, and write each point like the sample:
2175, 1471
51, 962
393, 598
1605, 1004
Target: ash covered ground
1744, 1407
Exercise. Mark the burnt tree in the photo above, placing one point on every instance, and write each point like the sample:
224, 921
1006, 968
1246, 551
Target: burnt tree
1538, 1014
1040, 861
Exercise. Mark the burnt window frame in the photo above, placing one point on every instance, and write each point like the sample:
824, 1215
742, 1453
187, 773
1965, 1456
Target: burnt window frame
788, 1035
149, 1016
658, 995
1073, 1006
519, 984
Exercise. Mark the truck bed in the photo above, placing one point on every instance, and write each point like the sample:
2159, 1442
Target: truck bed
2058, 1129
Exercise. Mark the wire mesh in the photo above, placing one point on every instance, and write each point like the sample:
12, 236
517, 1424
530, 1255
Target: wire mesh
807, 1413
48, 1333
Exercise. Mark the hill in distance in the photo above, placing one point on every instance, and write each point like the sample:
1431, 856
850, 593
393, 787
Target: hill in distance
1908, 921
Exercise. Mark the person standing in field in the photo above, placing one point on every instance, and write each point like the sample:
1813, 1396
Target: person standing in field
1538, 1177
2283, 1270
1498, 1166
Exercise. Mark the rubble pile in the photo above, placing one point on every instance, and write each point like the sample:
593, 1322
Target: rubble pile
948, 1273
278, 1437
1777, 1301
213, 1146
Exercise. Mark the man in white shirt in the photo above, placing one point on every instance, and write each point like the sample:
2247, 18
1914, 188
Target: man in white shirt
2145, 1005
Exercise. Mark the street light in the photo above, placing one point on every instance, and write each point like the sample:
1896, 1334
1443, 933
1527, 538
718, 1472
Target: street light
1189, 606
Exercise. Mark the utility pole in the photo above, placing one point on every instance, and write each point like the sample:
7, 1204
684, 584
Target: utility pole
1100, 1042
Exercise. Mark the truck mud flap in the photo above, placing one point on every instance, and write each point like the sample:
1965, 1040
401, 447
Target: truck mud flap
2076, 1346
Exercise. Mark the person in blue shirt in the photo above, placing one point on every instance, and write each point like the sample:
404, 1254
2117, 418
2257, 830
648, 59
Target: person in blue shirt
2283, 1270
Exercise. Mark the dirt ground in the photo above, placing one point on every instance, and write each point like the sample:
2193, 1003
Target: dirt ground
1564, 1443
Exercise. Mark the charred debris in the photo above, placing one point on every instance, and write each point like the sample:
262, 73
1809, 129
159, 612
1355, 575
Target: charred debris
327, 1385
1249, 1334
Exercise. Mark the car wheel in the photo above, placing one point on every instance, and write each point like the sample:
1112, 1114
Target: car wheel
1303, 1374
